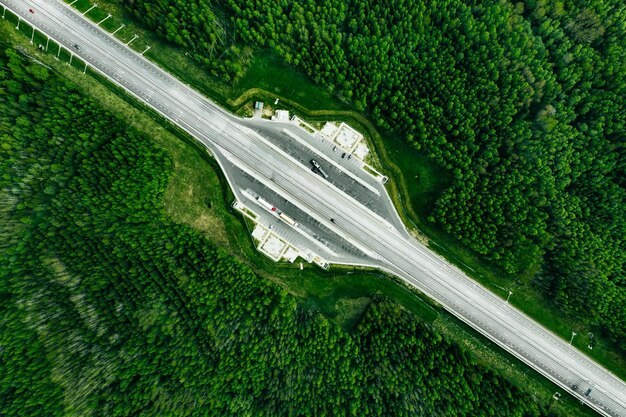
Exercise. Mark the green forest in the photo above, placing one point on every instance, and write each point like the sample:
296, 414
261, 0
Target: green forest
109, 308
523, 103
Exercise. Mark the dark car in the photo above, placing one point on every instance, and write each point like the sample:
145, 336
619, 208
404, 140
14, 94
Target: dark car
77, 47
343, 155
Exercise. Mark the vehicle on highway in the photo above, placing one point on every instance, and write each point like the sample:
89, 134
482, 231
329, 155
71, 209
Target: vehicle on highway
266, 204
333, 220
288, 219
343, 155
318, 169
349, 156
334, 149
77, 47
31, 10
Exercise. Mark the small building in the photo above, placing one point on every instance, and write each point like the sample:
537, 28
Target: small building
347, 136
361, 151
281, 115
329, 129
259, 233
291, 254
258, 105
273, 246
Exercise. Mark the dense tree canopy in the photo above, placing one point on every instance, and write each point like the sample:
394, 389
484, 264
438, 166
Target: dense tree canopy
523, 102
108, 308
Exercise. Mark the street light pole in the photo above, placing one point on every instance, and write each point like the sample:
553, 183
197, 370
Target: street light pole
88, 10
103, 20
115, 31
134, 37
510, 293
572, 339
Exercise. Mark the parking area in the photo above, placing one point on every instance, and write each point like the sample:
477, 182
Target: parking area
310, 238
343, 169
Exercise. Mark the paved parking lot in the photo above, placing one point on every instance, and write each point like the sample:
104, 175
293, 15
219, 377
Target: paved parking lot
356, 182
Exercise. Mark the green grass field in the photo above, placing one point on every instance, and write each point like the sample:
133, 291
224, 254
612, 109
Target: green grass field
267, 67
196, 197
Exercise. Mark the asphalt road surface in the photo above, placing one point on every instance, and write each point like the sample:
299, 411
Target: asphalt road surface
385, 246
345, 174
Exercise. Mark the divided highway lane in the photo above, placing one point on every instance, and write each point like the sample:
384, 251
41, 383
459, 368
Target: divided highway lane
193, 113
167, 95
396, 254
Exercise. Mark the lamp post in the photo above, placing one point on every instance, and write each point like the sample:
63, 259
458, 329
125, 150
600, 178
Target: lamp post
134, 37
103, 20
509, 296
115, 31
572, 339
88, 10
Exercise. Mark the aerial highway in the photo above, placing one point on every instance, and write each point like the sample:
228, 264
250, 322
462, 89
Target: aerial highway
384, 246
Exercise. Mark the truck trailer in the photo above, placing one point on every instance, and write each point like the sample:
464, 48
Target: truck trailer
288, 219
266, 204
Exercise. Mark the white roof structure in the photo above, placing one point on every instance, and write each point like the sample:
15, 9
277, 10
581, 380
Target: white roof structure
361, 151
329, 129
282, 115
347, 136
291, 254
273, 246
259, 232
